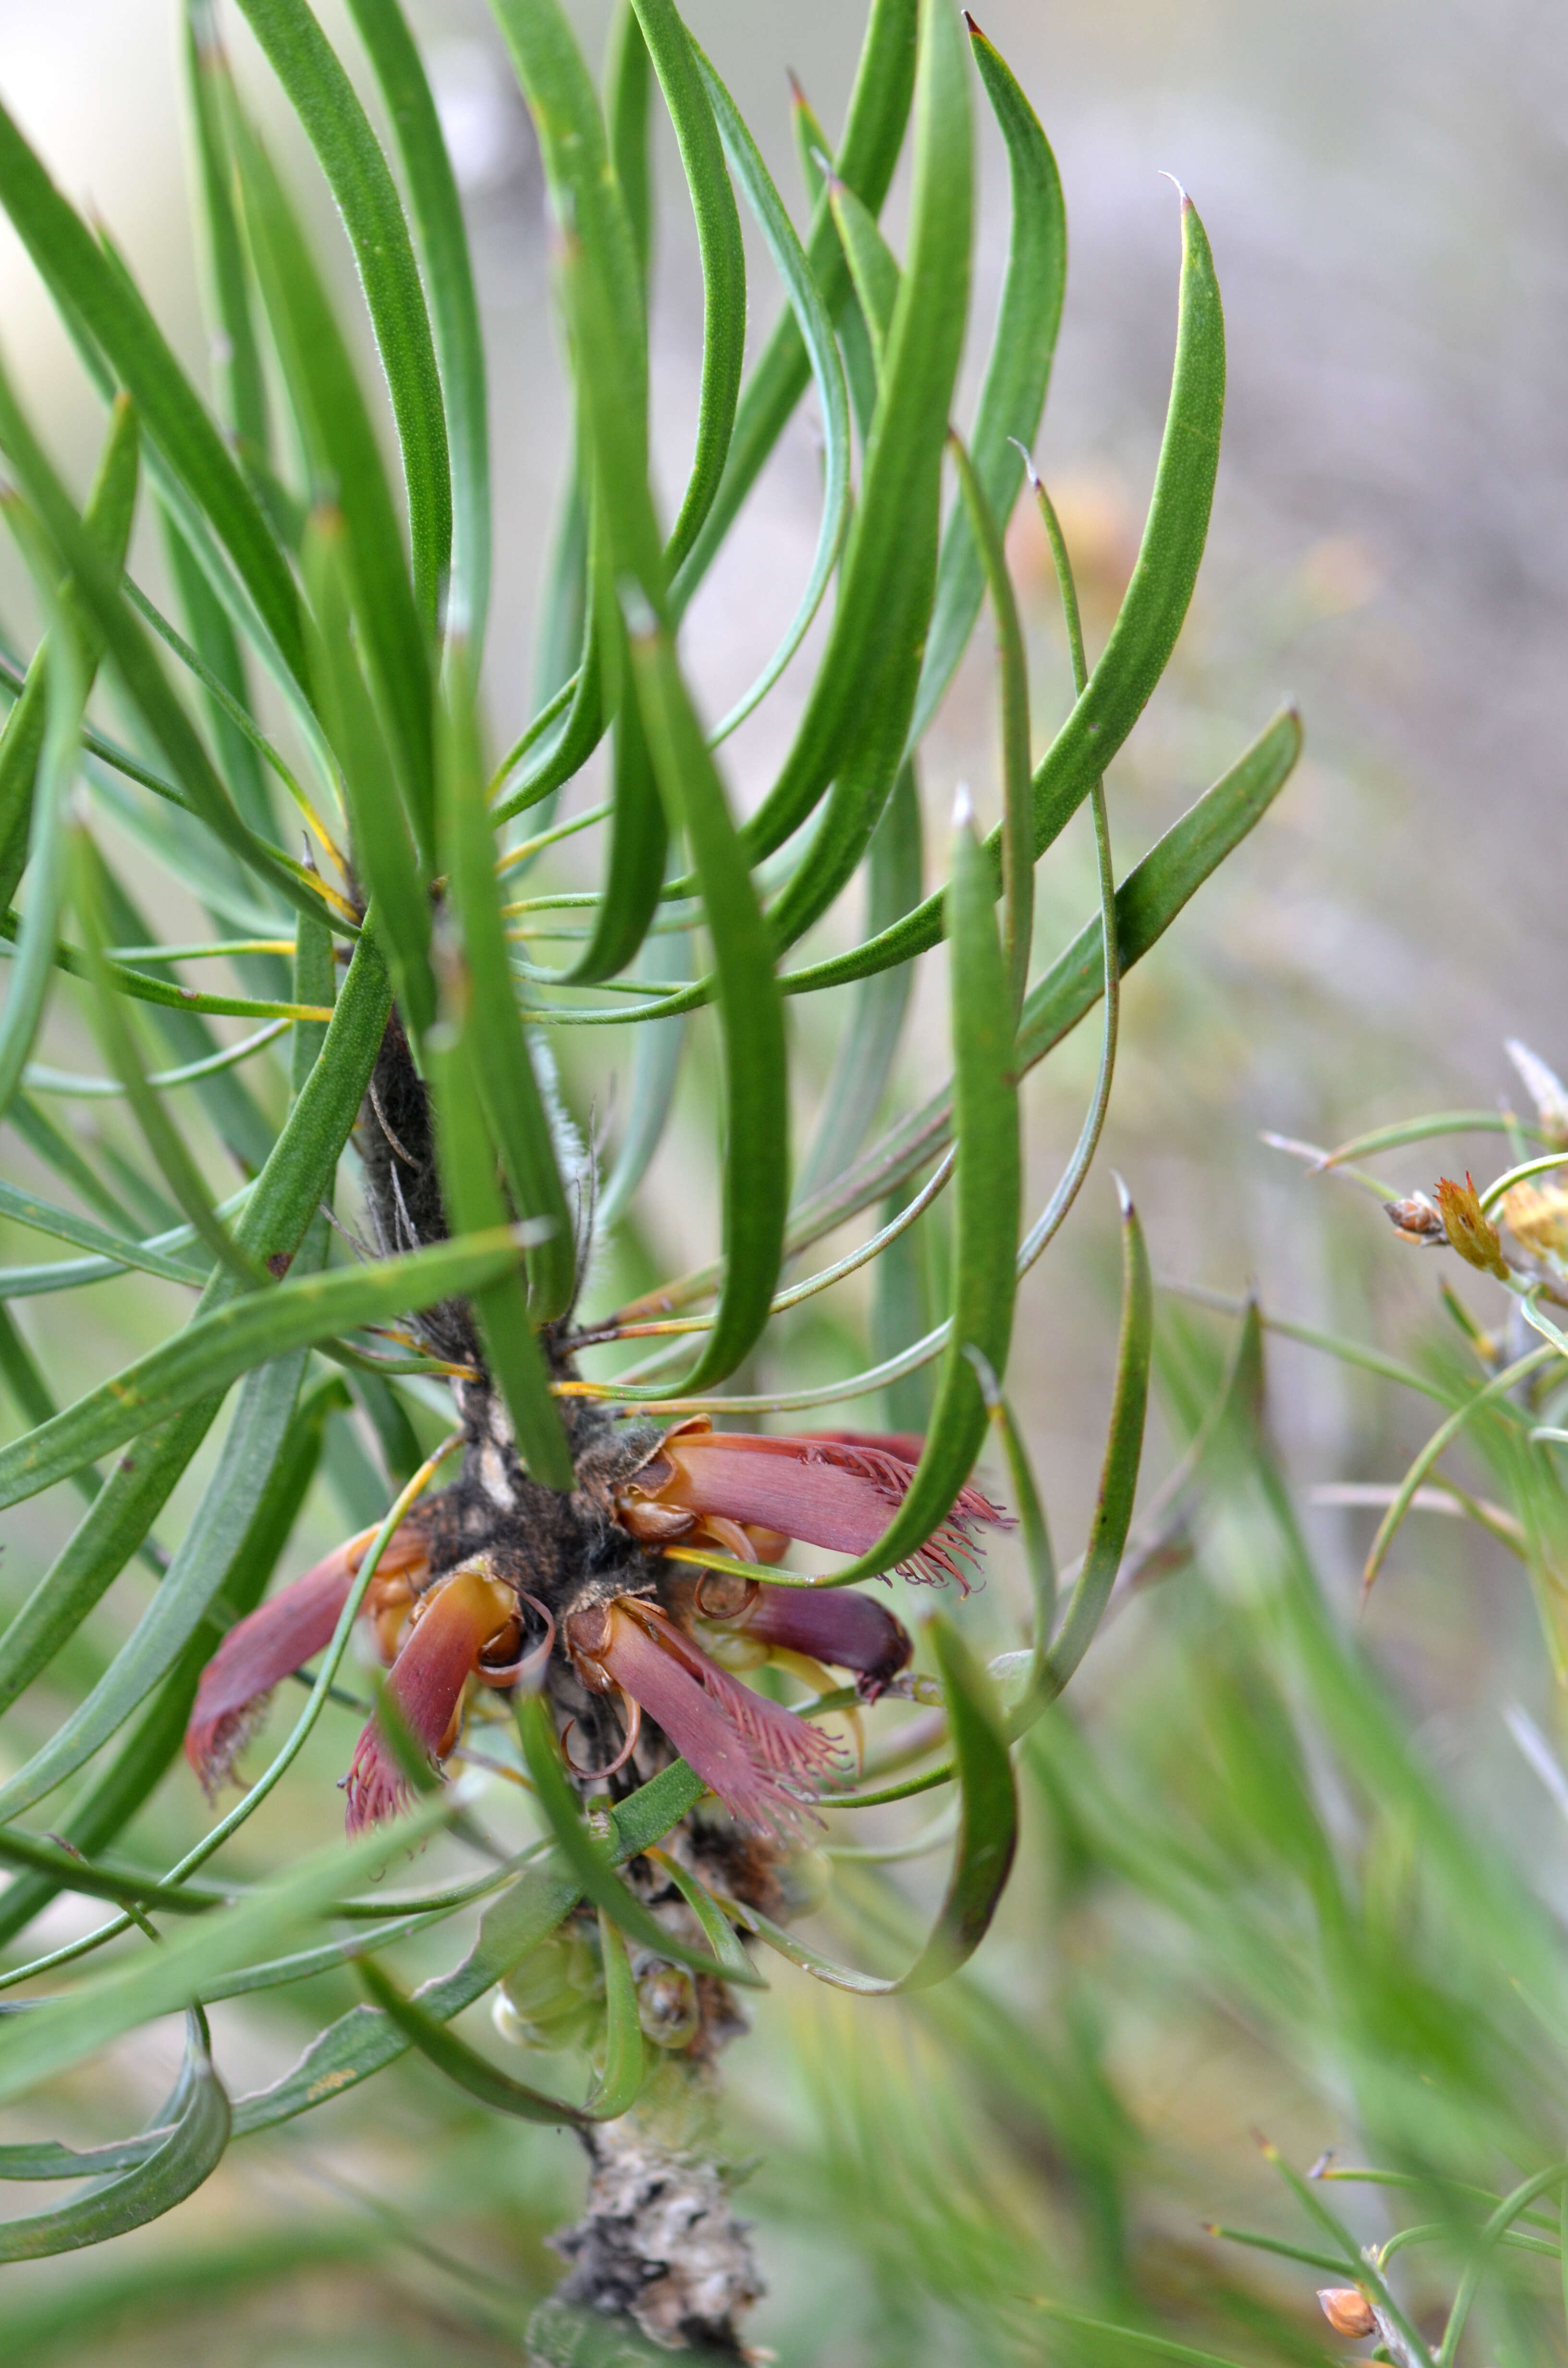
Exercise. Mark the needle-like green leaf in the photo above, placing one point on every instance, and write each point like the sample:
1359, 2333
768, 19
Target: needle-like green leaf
873, 134
327, 104
110, 507
1017, 374
757, 1111
346, 464
518, 1121
987, 1195
988, 1831
216, 1347
463, 2065
859, 710
675, 61
88, 285
815, 327
188, 2155
589, 1861
454, 306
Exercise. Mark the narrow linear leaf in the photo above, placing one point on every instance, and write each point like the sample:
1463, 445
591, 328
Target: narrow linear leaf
327, 106
519, 1120
363, 2041
188, 2156
110, 507
621, 2073
282, 1206
873, 134
1017, 377
988, 1828
216, 1347
463, 2065
675, 62
589, 1862
454, 304
862, 694
1118, 1473
757, 1112
813, 328
51, 2037
987, 1192
83, 278
346, 464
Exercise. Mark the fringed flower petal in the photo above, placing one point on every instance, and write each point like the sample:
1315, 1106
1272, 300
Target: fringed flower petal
765, 1764
280, 1636
838, 1490
452, 1627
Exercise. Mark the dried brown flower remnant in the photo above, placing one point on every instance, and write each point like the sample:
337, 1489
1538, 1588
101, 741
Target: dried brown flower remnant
1537, 1216
1470, 1231
1348, 2311
1417, 1220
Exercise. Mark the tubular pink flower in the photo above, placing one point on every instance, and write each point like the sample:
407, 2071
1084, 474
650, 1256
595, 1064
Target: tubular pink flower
283, 1633
739, 1493
452, 1627
764, 1763
836, 1625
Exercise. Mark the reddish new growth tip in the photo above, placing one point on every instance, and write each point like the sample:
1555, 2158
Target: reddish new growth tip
747, 1496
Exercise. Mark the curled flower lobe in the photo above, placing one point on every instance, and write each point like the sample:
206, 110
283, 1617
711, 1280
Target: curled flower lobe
742, 1493
764, 1763
283, 1633
461, 1620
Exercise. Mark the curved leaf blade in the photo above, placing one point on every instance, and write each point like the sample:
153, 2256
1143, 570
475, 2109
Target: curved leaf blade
217, 1346
454, 304
351, 155
1019, 373
988, 1833
188, 2156
84, 282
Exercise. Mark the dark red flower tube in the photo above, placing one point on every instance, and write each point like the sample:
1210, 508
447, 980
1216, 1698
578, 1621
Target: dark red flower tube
737, 1493
453, 1626
836, 1625
282, 1635
765, 1764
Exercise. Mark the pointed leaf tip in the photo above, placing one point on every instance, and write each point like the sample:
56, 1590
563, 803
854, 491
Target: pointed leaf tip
1123, 1196
963, 808
1177, 186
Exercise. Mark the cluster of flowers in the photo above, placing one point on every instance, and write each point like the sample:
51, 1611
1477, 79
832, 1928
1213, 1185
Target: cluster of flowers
742, 1496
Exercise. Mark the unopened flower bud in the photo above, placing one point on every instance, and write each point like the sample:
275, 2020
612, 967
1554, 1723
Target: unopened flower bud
1417, 1220
551, 1997
667, 2007
1538, 1216
1471, 1233
1348, 2311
